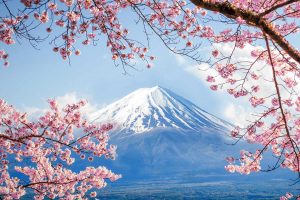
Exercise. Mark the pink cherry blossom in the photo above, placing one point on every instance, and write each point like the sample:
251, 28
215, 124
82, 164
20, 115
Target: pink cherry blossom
45, 141
215, 53
210, 79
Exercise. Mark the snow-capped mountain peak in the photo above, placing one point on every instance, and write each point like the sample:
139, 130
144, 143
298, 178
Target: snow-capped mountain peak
149, 108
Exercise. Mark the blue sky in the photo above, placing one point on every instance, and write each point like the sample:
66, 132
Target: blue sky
36, 75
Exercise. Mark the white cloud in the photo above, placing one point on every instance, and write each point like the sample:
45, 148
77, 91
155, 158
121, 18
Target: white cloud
201, 71
88, 110
237, 111
234, 111
181, 60
238, 54
34, 111
238, 115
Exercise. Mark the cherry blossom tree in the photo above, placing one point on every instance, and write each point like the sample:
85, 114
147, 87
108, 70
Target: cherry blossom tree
42, 153
268, 77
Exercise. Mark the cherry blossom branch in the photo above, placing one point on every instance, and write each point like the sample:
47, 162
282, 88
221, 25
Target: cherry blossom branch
295, 147
47, 144
252, 19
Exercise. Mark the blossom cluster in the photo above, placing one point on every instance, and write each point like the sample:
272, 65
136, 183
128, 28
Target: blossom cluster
4, 56
248, 163
49, 146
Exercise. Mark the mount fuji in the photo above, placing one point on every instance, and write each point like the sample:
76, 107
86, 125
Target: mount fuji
160, 134
147, 109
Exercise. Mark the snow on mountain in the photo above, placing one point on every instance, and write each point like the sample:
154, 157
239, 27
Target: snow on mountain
149, 108
162, 135
159, 133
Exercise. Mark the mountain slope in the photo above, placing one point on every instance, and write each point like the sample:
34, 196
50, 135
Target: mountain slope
161, 135
149, 108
